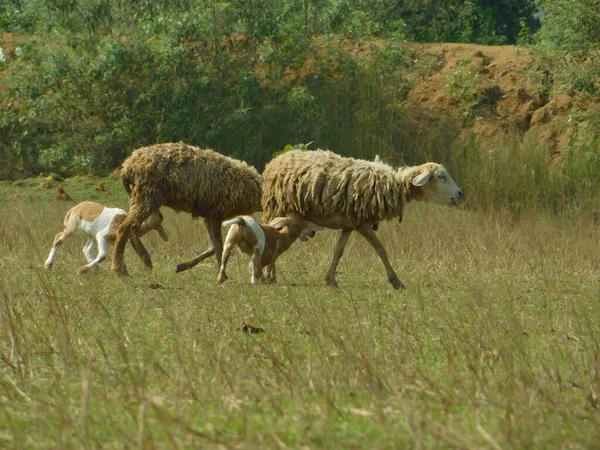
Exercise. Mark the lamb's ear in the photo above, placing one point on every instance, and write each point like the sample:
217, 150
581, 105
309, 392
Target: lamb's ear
420, 180
279, 222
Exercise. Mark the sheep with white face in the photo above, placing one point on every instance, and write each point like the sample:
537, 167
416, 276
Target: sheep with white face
350, 195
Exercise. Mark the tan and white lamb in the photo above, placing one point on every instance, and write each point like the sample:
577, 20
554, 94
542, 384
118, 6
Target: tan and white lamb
99, 223
264, 243
350, 195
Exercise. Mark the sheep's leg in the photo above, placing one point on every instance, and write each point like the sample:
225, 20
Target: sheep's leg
337, 254
211, 226
140, 208
216, 238
140, 249
61, 237
88, 249
369, 235
118, 264
226, 254
257, 271
102, 252
192, 262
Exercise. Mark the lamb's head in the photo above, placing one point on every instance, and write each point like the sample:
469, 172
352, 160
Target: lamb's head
154, 222
296, 223
431, 181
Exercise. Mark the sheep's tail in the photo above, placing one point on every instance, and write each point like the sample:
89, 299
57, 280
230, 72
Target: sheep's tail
236, 221
254, 226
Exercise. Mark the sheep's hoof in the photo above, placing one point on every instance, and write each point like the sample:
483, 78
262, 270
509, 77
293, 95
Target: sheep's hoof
83, 270
396, 283
47, 266
121, 270
181, 267
222, 278
332, 283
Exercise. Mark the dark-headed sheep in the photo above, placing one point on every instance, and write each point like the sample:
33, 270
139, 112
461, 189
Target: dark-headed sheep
201, 182
350, 194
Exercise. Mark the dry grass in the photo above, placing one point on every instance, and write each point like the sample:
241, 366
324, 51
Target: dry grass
494, 344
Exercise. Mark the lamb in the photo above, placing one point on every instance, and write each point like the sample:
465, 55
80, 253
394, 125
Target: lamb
264, 243
185, 178
350, 194
99, 223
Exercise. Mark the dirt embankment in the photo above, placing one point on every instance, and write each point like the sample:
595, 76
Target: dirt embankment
491, 90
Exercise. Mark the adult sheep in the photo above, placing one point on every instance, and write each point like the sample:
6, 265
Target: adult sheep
185, 178
350, 194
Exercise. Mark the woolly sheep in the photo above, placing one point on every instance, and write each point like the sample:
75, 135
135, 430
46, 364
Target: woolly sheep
185, 178
264, 243
99, 223
350, 194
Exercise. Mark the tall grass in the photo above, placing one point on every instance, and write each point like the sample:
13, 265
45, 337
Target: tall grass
512, 175
494, 344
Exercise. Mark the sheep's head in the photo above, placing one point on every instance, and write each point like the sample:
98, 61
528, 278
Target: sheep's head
154, 222
432, 181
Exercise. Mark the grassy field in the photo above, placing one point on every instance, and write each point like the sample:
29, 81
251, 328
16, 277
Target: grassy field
495, 343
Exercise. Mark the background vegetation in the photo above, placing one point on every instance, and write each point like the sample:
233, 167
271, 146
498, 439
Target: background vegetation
95, 79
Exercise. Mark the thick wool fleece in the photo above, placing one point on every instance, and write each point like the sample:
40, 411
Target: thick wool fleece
198, 181
320, 185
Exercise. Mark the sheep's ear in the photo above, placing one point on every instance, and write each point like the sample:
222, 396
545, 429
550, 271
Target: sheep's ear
279, 222
420, 180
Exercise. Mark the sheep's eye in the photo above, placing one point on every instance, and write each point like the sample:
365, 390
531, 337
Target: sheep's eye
442, 176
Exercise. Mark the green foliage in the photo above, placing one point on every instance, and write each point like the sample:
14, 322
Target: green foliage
102, 78
572, 31
93, 99
290, 147
569, 59
463, 82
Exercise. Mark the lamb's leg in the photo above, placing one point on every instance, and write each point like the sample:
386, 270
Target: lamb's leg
58, 240
271, 275
102, 252
257, 272
337, 254
226, 254
61, 237
211, 225
369, 235
88, 249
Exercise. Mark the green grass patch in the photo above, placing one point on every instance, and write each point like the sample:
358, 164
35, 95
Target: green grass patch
494, 343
